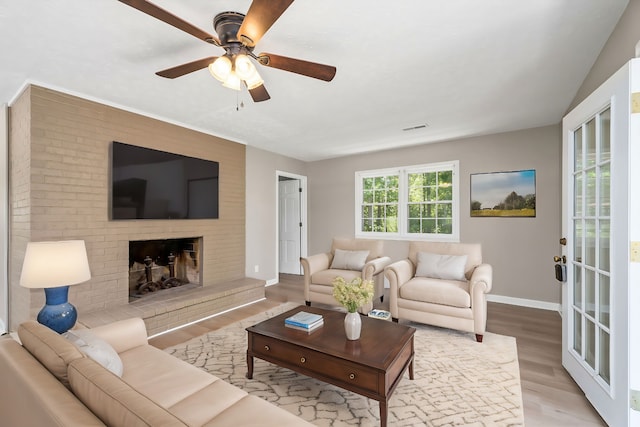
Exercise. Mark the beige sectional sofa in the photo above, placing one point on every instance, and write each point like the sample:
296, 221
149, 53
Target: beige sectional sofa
48, 381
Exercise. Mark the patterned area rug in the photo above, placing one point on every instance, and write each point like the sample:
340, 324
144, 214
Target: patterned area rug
458, 382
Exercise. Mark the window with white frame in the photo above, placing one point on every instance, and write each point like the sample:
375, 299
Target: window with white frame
409, 202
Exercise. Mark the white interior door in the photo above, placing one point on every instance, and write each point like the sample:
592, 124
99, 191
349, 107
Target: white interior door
595, 222
290, 223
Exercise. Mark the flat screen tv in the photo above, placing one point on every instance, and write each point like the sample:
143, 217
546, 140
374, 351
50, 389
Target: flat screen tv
152, 184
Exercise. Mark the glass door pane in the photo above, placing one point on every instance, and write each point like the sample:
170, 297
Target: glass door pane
592, 253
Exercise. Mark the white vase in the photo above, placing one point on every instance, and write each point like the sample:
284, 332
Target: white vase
352, 326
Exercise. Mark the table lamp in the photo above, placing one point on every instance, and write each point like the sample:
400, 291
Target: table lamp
54, 266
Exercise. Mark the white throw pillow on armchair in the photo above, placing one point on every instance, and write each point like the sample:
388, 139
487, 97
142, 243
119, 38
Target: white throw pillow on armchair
438, 266
349, 260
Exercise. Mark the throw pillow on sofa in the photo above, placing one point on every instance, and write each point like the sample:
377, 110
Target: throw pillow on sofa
349, 260
438, 266
96, 348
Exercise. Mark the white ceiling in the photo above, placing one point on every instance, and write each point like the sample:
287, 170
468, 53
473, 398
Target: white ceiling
463, 67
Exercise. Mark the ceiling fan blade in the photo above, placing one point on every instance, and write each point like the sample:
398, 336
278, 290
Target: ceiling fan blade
171, 19
189, 67
298, 66
259, 94
260, 17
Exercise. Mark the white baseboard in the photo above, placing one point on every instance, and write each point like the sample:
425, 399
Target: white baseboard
523, 302
543, 305
3, 328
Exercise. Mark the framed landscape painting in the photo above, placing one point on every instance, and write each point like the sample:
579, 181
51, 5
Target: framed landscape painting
506, 194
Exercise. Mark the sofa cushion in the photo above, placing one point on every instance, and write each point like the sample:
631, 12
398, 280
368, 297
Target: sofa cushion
439, 266
96, 348
32, 396
437, 291
163, 378
114, 401
207, 403
124, 334
52, 350
349, 260
252, 411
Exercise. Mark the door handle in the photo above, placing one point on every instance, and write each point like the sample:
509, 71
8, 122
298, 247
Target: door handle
560, 269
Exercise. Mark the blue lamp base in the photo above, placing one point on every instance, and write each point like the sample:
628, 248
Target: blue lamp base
58, 314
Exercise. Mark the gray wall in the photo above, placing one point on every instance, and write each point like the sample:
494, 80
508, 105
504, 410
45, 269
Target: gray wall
618, 50
261, 214
520, 249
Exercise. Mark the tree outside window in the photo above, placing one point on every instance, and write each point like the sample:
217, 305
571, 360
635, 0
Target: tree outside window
430, 202
380, 204
411, 202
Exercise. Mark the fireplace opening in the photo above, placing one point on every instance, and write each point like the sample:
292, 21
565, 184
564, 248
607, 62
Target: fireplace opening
155, 265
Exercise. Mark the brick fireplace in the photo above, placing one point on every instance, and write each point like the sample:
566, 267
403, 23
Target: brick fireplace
59, 174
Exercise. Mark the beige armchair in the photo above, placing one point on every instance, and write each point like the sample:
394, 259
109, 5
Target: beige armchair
349, 258
436, 285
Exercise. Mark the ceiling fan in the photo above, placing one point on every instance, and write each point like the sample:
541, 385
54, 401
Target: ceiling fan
238, 35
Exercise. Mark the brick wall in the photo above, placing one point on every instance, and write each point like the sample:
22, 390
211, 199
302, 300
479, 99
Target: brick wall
59, 151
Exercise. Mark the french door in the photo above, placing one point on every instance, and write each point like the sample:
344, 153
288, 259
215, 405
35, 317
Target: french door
596, 215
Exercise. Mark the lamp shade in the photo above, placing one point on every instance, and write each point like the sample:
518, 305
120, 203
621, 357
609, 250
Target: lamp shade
232, 81
53, 264
254, 80
244, 67
221, 68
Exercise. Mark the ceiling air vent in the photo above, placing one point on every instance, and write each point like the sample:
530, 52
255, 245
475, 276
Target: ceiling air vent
415, 127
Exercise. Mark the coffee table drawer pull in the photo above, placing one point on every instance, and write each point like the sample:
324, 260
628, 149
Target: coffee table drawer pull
266, 347
352, 376
302, 360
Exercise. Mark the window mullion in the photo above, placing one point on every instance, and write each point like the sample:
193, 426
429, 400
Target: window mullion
403, 199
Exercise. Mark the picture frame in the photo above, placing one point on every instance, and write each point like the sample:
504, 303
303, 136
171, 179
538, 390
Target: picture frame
503, 194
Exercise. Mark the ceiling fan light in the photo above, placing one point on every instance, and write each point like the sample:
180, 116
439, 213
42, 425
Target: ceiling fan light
232, 81
220, 68
244, 67
254, 80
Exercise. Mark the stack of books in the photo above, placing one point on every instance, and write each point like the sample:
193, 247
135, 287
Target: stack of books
304, 321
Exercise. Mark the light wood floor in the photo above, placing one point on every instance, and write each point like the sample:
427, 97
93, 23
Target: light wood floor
551, 398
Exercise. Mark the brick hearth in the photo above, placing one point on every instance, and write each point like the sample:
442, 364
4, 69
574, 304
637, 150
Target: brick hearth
177, 306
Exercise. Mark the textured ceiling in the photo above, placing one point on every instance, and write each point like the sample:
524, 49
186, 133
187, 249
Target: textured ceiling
460, 67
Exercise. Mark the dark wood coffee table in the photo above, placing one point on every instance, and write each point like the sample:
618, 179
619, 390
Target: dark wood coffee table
371, 366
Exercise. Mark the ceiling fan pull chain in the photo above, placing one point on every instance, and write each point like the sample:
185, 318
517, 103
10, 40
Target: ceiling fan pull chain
239, 104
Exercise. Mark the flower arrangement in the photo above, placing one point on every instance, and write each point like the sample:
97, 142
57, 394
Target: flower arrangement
354, 294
